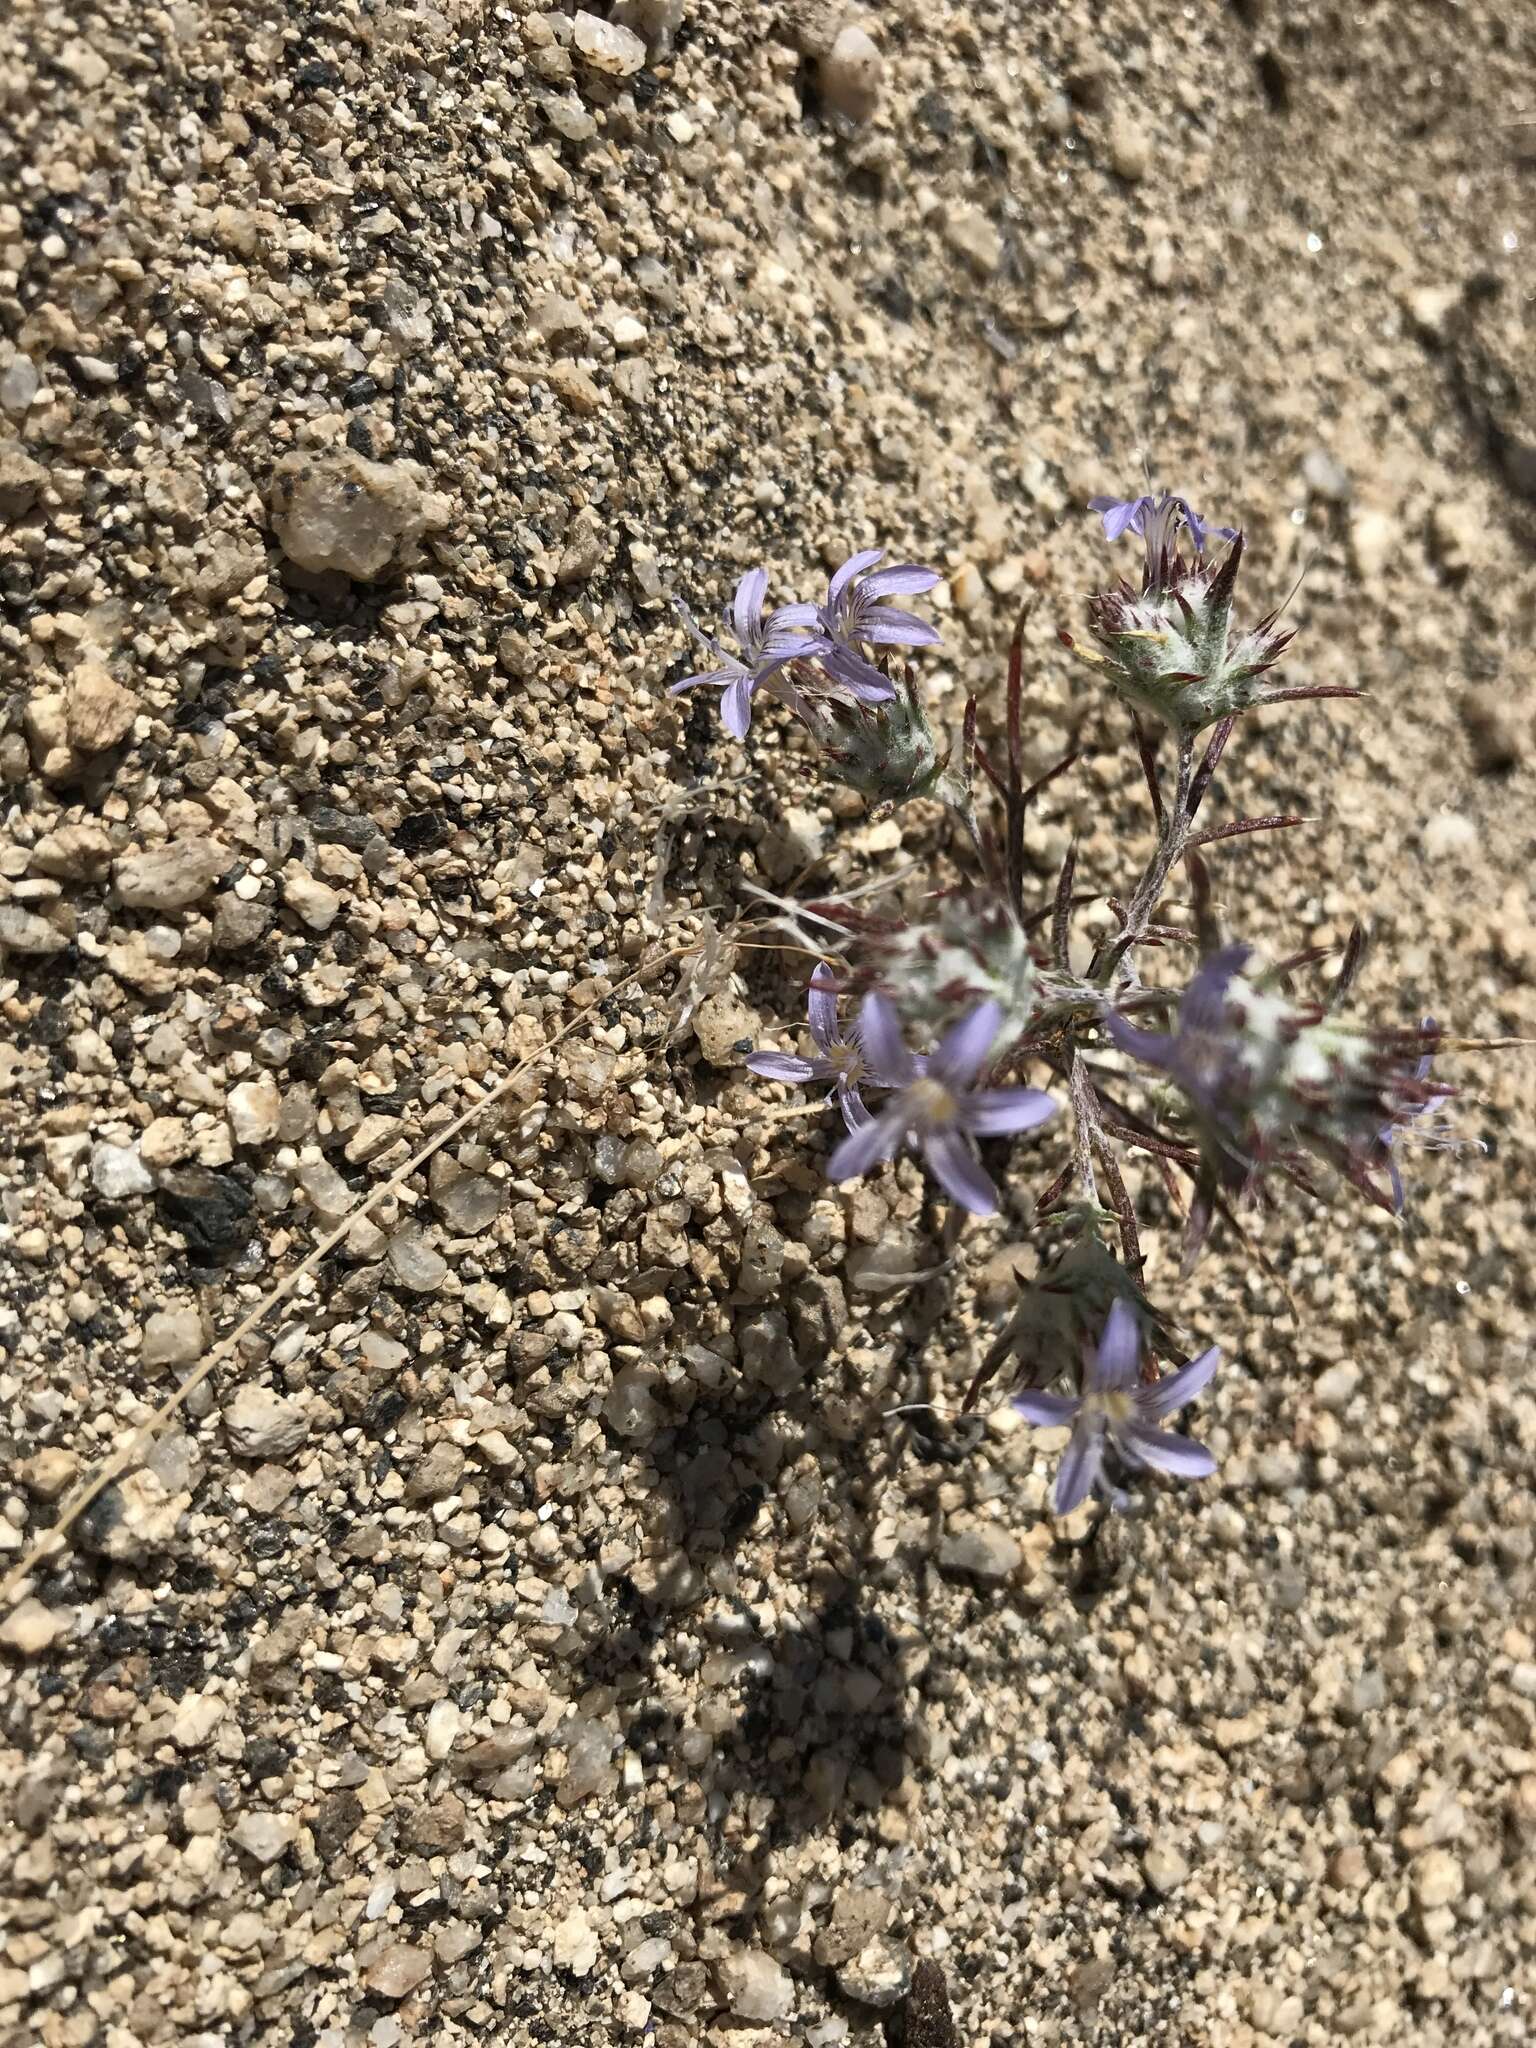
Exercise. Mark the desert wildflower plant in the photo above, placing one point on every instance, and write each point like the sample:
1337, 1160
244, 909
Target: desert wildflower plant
986, 1022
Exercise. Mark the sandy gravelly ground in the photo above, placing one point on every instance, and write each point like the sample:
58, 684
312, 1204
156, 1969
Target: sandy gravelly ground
539, 1633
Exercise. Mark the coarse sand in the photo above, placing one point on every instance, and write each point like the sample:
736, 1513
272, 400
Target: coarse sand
539, 1630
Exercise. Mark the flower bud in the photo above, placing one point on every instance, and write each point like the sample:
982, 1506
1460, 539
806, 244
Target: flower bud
1169, 648
887, 751
970, 951
1268, 1079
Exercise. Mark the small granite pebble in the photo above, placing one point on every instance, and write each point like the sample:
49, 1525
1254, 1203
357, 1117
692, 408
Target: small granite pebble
31, 1628
170, 877
341, 511
415, 1263
98, 710
849, 74
983, 1552
879, 1974
575, 1943
261, 1424
172, 1337
606, 45
23, 931
265, 1836
118, 1172
253, 1110
754, 1986
397, 1972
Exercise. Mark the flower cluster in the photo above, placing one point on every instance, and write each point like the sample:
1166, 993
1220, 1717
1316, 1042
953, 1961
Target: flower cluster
1114, 1416
982, 1016
1168, 647
818, 659
1267, 1079
934, 1104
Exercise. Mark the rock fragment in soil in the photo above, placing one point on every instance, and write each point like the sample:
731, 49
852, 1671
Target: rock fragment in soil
879, 1974
754, 1986
21, 480
415, 1263
398, 1971
984, 1553
575, 1943
118, 1172
607, 46
172, 1337
266, 1837
339, 510
211, 1211
261, 1424
849, 74
98, 710
170, 877
254, 1107
23, 931
138, 1515
31, 1628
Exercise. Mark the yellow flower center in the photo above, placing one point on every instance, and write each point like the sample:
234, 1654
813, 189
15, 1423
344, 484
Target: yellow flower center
846, 1060
931, 1104
1117, 1406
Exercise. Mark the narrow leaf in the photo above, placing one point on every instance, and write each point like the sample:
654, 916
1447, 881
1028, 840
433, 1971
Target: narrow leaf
1215, 748
1240, 827
1062, 910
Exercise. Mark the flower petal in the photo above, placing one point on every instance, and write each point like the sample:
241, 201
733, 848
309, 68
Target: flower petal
884, 1049
997, 1111
704, 639
791, 646
866, 1146
1117, 1361
1155, 1048
736, 707
1204, 1005
959, 1172
1168, 1396
1119, 514
717, 677
1194, 523
883, 625
854, 566
1081, 1463
959, 1054
855, 1110
789, 615
869, 691
1161, 1450
783, 1066
860, 678
902, 579
821, 1007
1047, 1411
747, 606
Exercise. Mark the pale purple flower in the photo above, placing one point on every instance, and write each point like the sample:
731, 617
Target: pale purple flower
937, 1107
839, 1056
1120, 515
856, 611
1117, 1412
766, 645
1130, 515
1202, 1054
